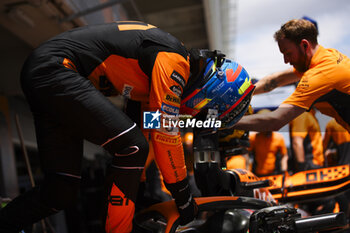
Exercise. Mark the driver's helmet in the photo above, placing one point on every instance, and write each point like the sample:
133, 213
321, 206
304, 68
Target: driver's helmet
223, 86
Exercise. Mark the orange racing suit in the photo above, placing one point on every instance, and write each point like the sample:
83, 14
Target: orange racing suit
63, 80
156, 76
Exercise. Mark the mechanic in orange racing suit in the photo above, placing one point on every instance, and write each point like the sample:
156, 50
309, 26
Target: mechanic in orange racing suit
65, 81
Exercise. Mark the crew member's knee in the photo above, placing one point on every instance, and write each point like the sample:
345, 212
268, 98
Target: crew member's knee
60, 191
131, 148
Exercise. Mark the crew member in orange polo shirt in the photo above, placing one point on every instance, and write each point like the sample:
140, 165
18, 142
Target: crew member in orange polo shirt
306, 141
336, 143
269, 151
324, 76
268, 148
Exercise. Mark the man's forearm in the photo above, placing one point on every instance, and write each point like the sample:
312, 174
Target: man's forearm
277, 79
271, 121
284, 163
257, 123
298, 149
265, 85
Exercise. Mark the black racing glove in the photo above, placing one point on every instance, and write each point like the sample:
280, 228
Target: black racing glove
184, 201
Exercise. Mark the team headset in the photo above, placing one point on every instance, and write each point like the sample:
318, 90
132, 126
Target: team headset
216, 84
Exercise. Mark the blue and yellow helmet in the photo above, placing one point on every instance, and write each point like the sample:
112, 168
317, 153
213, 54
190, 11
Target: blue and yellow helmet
226, 88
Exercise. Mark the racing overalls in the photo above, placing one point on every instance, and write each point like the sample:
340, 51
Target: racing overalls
66, 81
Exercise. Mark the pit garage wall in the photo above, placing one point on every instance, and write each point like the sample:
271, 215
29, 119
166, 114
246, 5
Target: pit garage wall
8, 173
13, 173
